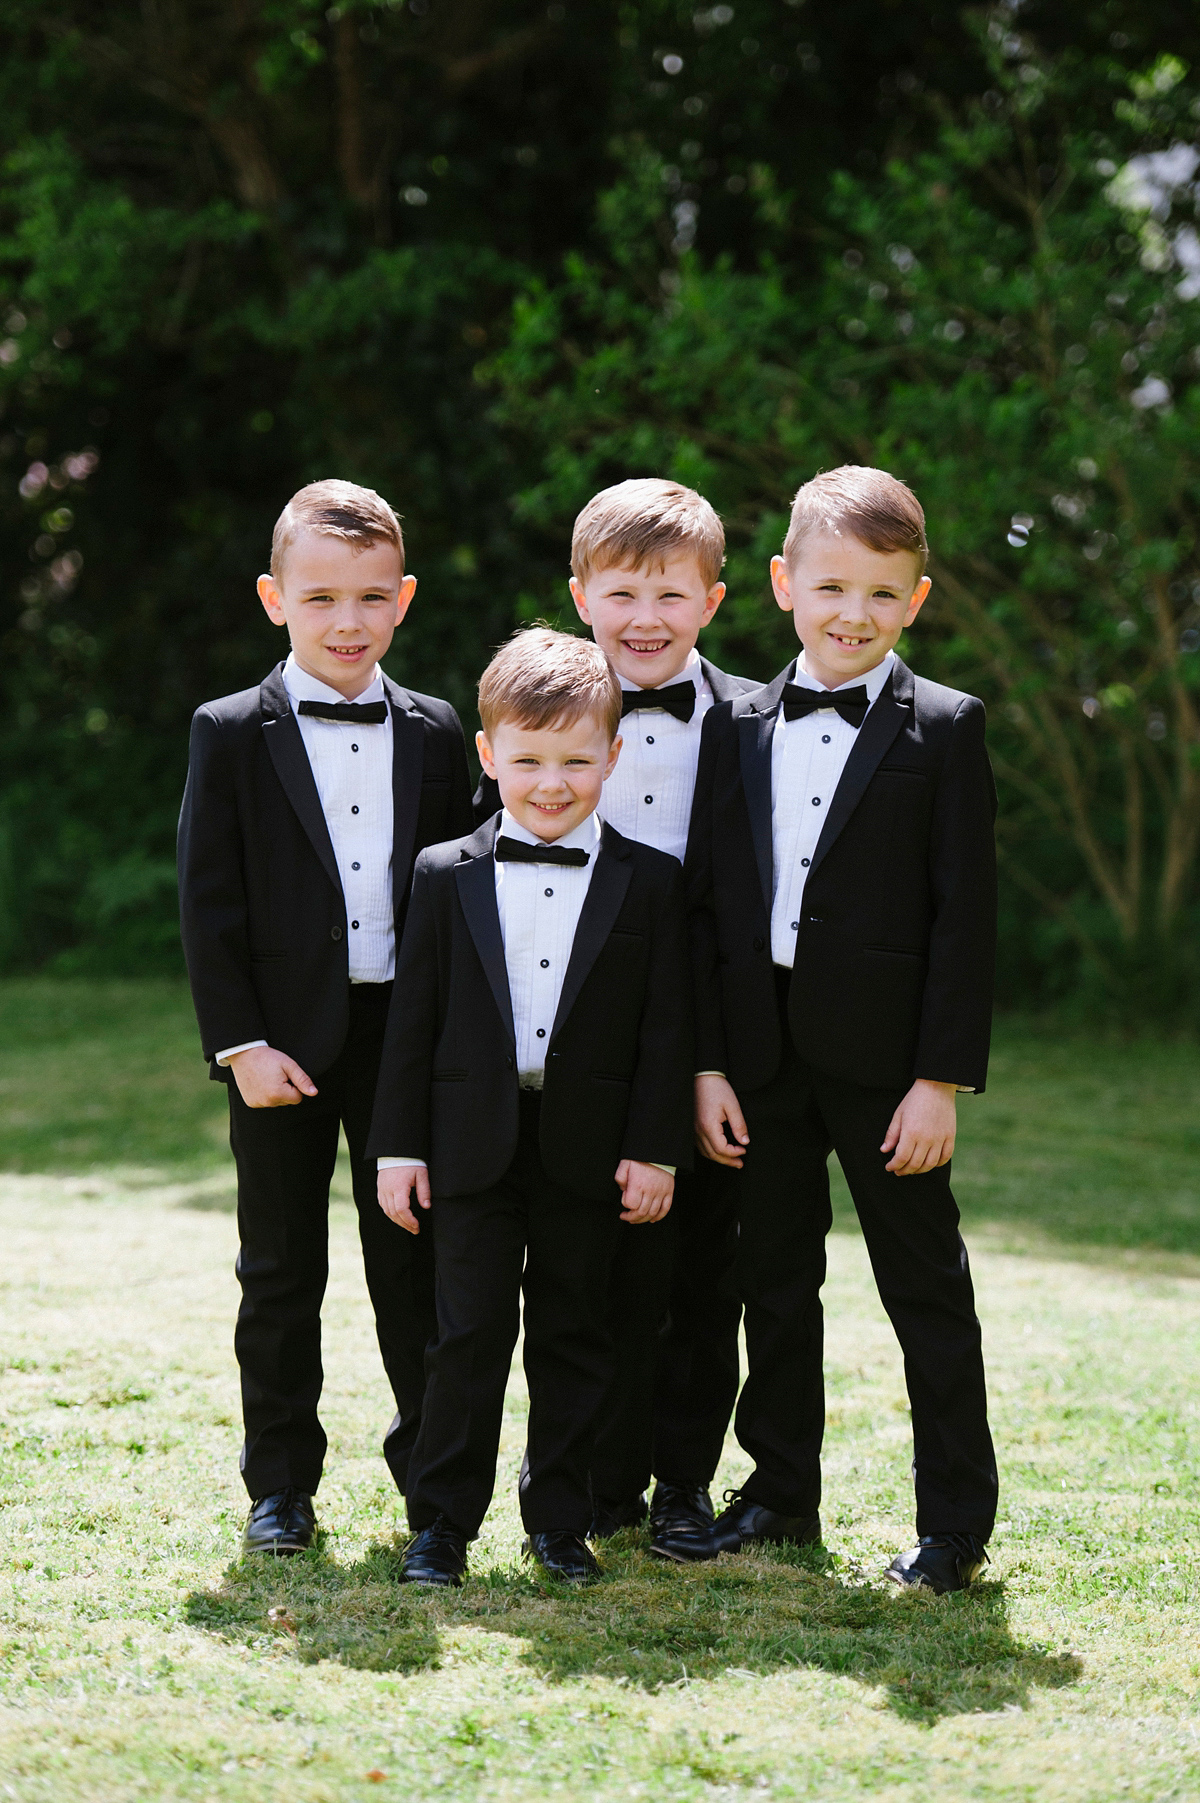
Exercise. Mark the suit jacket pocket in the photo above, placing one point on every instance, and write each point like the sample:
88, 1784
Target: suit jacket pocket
449, 1076
894, 991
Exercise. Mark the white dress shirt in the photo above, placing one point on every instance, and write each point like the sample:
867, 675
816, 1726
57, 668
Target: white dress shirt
352, 768
648, 797
807, 760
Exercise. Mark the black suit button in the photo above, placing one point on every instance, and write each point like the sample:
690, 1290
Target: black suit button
354, 810
335, 932
356, 866
806, 862
795, 926
354, 924
824, 740
816, 802
815, 920
508, 1061
354, 747
547, 892
541, 1032
545, 963
649, 798
649, 738
758, 943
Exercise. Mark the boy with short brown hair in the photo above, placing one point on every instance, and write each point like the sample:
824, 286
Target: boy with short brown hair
535, 1091
843, 893
308, 797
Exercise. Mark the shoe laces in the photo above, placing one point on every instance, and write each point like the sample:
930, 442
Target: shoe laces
441, 1532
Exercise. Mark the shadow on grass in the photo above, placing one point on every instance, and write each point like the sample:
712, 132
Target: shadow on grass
650, 1625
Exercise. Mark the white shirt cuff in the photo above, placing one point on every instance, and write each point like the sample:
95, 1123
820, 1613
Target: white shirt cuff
668, 1168
392, 1164
233, 1050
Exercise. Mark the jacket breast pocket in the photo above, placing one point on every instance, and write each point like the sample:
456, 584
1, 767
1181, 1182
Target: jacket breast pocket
449, 1077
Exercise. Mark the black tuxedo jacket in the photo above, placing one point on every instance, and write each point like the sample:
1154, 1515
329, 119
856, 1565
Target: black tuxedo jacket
261, 908
619, 1056
724, 687
896, 947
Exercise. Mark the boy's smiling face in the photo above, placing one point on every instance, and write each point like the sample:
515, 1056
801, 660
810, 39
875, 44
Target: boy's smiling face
341, 604
849, 604
550, 779
646, 621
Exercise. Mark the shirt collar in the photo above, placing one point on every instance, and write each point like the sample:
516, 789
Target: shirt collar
301, 686
585, 836
691, 672
873, 681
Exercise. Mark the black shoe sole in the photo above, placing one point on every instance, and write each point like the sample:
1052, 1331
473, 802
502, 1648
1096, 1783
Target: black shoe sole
278, 1549
662, 1551
428, 1582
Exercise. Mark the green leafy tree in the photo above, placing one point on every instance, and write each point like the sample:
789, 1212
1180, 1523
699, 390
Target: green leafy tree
1010, 319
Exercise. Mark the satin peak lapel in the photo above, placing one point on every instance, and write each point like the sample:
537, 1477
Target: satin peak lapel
282, 734
476, 880
408, 760
875, 736
602, 904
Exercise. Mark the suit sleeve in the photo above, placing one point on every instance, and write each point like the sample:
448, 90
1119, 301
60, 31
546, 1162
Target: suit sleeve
459, 817
658, 1127
213, 913
711, 1054
956, 1012
400, 1122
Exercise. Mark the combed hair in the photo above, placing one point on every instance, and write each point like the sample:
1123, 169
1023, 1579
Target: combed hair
543, 679
342, 510
643, 522
867, 504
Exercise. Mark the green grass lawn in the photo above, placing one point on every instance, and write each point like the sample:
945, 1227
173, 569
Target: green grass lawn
138, 1658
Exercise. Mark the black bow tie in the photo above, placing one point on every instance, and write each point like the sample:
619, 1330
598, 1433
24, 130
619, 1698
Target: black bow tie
515, 851
851, 704
355, 713
678, 698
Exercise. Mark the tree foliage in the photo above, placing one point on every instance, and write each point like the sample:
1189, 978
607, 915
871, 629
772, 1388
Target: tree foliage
485, 254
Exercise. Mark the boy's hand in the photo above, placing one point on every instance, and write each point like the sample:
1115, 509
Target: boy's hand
922, 1131
394, 1187
648, 1191
269, 1079
716, 1104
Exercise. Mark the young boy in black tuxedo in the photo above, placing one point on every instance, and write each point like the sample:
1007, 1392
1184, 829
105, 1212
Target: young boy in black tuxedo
535, 1087
646, 559
308, 797
841, 873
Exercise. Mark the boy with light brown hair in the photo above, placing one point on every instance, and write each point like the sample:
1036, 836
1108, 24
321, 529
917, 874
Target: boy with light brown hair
308, 797
646, 559
842, 882
535, 1092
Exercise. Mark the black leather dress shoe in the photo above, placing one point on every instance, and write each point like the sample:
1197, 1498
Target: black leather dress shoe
608, 1518
941, 1563
678, 1511
742, 1524
563, 1555
438, 1556
282, 1523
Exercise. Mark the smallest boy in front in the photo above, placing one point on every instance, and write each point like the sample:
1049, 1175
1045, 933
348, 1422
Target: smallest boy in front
535, 1091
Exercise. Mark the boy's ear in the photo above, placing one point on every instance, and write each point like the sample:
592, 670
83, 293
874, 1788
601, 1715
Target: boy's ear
485, 755
579, 597
781, 582
408, 588
918, 600
712, 601
272, 600
614, 752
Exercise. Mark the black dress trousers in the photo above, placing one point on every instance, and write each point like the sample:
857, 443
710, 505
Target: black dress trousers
285, 1159
524, 1233
910, 1225
673, 1315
